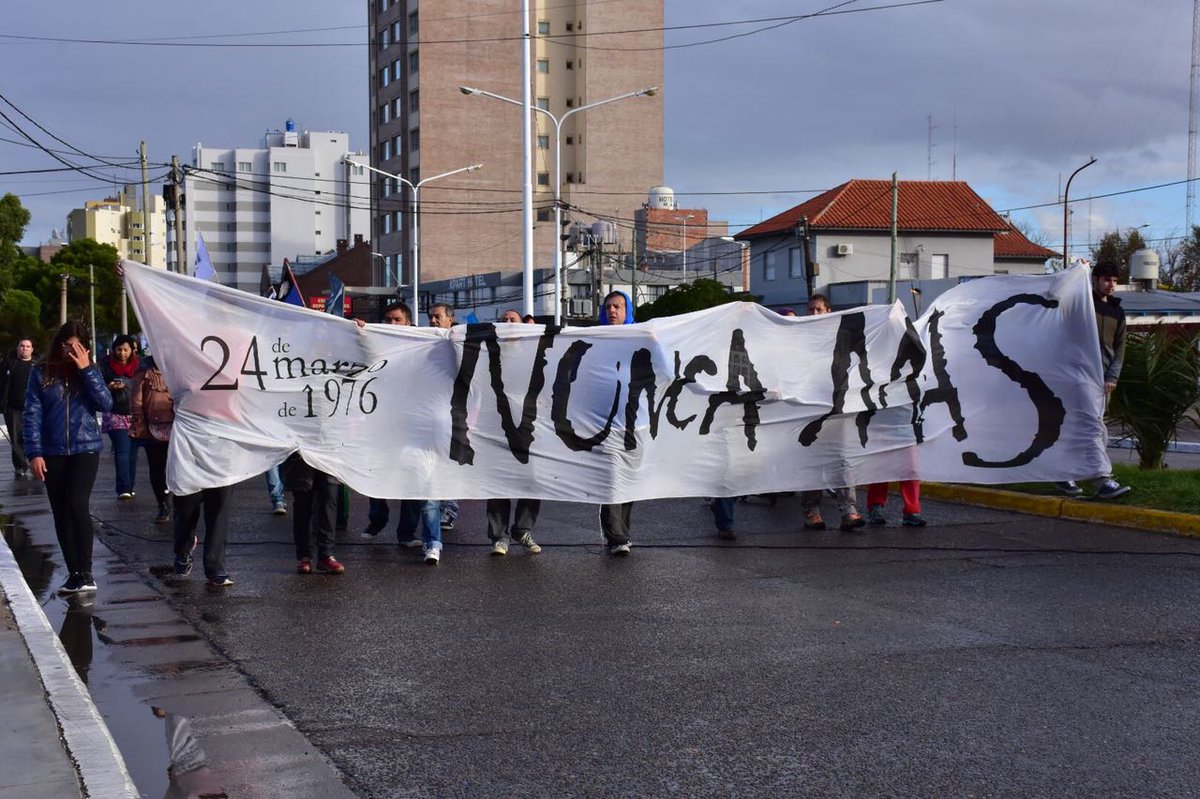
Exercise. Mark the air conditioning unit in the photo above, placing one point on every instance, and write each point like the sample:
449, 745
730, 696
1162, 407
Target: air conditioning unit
581, 308
845, 249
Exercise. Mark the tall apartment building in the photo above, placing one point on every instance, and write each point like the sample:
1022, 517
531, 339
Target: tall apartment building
292, 196
422, 125
119, 221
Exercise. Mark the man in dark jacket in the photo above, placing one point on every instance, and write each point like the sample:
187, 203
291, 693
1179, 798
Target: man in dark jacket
1110, 322
13, 382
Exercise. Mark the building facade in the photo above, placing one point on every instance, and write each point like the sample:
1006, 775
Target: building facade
119, 221
292, 196
422, 124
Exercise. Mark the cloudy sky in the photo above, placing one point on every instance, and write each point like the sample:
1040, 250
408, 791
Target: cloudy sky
1021, 92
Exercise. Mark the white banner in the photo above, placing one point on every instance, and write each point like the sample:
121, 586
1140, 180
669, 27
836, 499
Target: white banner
998, 382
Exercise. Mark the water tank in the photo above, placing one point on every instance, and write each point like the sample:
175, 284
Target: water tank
662, 198
290, 126
290, 137
1144, 266
604, 232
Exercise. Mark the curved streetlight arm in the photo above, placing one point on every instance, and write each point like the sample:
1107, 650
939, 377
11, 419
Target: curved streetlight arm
471, 168
1066, 206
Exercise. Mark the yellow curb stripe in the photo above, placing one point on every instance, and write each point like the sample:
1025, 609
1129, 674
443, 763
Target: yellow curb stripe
1159, 521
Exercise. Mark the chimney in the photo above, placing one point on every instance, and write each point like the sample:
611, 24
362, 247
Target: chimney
358, 239
341, 246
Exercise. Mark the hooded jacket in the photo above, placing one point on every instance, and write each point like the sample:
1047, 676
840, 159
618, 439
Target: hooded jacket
62, 421
1110, 320
628, 311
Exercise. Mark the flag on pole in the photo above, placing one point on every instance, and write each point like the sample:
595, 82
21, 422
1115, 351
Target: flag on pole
289, 291
203, 268
337, 295
266, 286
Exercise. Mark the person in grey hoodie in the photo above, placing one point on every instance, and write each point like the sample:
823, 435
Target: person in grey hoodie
615, 517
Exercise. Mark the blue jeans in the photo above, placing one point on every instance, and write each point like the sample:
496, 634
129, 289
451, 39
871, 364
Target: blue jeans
722, 509
125, 459
274, 485
431, 523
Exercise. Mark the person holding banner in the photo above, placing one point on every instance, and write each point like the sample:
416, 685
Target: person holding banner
615, 517
62, 442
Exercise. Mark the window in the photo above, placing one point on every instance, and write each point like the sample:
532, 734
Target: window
570, 140
414, 101
279, 166
570, 65
385, 39
543, 103
387, 151
413, 61
543, 27
654, 292
231, 247
387, 223
397, 108
397, 30
383, 6
414, 139
570, 177
217, 166
543, 65
570, 27
318, 232
570, 103
543, 215
543, 142
317, 212
412, 24
245, 166
397, 67
384, 77
385, 113
770, 261
414, 175
543, 178
796, 262
939, 266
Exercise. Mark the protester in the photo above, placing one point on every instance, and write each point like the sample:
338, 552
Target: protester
153, 414
314, 507
810, 501
501, 533
275, 492
214, 502
14, 380
615, 517
119, 371
397, 313
1110, 322
63, 444
437, 516
910, 494
722, 511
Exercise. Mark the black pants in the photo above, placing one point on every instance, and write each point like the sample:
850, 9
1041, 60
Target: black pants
614, 522
523, 520
215, 502
16, 437
156, 457
69, 481
313, 512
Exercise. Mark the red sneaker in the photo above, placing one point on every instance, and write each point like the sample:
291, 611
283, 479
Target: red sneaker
330, 565
304, 566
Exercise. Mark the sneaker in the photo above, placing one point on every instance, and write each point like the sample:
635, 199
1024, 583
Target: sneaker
1111, 489
410, 543
813, 520
500, 547
620, 550
164, 513
727, 534
447, 525
330, 565
183, 565
526, 540
125, 497
372, 530
279, 509
433, 554
852, 521
87, 582
304, 566
1069, 488
913, 520
875, 516
220, 581
73, 585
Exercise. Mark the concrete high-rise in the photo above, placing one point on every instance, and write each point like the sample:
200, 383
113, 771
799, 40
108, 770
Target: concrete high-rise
119, 221
421, 125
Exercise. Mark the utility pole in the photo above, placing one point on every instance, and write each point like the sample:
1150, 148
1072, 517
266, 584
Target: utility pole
177, 208
633, 262
895, 209
1193, 103
62, 303
92, 303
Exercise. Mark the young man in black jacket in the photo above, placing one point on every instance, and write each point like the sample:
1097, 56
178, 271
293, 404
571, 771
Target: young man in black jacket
14, 380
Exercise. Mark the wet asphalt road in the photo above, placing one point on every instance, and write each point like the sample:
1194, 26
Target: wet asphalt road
989, 654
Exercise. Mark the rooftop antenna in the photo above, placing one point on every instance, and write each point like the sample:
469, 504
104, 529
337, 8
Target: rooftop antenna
1192, 103
929, 144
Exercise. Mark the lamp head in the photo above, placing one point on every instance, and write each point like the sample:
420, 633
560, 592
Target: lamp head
653, 90
468, 90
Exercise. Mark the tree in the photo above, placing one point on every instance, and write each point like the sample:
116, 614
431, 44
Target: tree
1183, 269
1118, 249
14, 218
1159, 387
19, 316
1031, 231
695, 296
44, 281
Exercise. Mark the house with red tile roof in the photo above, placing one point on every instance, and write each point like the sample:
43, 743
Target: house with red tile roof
945, 231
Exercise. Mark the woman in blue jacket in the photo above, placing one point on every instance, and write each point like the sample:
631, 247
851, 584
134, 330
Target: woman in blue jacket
62, 442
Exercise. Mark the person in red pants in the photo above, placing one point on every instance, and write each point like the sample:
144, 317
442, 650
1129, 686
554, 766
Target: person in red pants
910, 492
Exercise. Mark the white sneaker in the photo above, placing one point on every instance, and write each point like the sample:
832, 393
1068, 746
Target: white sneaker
433, 554
500, 547
620, 550
526, 540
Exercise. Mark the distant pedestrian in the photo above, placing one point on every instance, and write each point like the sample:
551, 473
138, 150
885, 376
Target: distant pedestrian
314, 508
615, 517
153, 414
63, 444
14, 380
1110, 323
119, 370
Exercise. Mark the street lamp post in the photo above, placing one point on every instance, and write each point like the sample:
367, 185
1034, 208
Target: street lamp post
1066, 194
387, 272
558, 242
415, 189
685, 244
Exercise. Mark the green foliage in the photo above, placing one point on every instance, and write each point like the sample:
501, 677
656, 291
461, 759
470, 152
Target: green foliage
1117, 248
74, 260
1182, 267
13, 220
1164, 489
1159, 386
695, 296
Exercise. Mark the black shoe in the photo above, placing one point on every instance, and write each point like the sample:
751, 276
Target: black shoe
372, 530
164, 513
87, 582
73, 585
447, 524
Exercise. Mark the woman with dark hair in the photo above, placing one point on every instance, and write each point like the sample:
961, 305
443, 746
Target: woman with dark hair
62, 442
119, 371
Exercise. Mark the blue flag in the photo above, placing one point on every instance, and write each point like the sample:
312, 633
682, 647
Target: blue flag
203, 268
334, 303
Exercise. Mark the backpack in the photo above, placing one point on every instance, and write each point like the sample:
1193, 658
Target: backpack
158, 406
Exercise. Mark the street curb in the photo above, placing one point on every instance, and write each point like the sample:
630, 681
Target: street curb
1158, 521
85, 736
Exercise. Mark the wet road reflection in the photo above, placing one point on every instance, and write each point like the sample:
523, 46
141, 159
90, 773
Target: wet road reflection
189, 773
